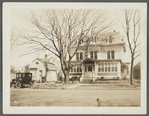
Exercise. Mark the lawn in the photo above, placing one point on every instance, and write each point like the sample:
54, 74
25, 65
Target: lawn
80, 98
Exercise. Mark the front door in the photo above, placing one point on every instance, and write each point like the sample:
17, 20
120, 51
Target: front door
89, 70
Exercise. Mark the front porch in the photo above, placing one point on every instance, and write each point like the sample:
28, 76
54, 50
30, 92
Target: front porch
89, 70
93, 69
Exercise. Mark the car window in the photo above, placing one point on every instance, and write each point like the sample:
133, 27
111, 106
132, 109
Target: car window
29, 75
20, 75
23, 75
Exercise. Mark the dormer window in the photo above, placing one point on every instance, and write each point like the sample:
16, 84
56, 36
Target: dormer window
37, 62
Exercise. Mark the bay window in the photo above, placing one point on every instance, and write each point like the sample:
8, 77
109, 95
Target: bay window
107, 67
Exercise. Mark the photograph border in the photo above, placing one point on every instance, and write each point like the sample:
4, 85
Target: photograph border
70, 110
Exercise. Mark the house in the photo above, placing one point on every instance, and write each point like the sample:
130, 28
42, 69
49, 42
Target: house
42, 70
104, 58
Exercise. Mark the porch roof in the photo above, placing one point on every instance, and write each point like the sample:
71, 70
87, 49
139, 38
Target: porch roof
89, 59
109, 60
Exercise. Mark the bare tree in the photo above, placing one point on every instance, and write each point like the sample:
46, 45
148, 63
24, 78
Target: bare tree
12, 70
132, 30
57, 31
26, 68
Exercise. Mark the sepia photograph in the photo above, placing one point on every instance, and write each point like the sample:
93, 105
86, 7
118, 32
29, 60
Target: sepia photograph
74, 58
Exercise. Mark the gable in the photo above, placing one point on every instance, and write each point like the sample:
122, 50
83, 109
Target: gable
37, 64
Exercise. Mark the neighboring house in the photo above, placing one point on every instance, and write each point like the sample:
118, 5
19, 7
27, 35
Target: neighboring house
137, 71
104, 57
43, 70
125, 68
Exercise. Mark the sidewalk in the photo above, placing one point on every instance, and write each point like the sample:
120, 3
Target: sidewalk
73, 86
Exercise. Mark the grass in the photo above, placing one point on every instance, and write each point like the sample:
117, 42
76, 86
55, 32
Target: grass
77, 98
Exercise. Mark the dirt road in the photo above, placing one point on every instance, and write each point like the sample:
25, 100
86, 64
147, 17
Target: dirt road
85, 98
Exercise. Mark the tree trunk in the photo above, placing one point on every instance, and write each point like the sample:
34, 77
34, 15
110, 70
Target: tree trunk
67, 78
131, 70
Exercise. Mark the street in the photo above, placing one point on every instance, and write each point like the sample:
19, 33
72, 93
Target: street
79, 98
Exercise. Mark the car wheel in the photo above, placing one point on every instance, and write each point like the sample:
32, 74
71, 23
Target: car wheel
18, 85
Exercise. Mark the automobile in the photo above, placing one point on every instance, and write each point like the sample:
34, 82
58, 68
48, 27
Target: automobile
22, 79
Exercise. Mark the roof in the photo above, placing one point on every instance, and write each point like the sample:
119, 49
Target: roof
52, 67
106, 60
89, 59
102, 43
43, 60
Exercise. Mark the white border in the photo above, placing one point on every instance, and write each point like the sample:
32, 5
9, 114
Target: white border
71, 110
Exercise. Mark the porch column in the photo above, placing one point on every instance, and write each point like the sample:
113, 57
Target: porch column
83, 72
96, 71
119, 69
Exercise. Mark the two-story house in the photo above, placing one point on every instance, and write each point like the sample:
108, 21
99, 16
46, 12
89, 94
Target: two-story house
104, 57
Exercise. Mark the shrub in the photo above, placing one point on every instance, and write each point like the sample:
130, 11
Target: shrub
117, 78
124, 78
102, 78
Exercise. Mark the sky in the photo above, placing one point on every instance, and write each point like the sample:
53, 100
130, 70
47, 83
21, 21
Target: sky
17, 58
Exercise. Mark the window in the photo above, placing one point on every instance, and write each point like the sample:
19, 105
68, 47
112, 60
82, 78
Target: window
99, 68
85, 68
108, 54
90, 68
71, 68
81, 55
74, 69
23, 75
102, 67
29, 75
91, 54
37, 62
108, 67
78, 69
105, 67
112, 54
95, 54
77, 56
112, 67
106, 40
115, 67
20, 75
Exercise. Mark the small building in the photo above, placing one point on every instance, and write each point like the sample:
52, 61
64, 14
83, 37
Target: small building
42, 70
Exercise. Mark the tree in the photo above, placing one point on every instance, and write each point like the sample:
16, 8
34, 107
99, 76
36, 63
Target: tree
26, 68
12, 70
137, 71
57, 31
132, 30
